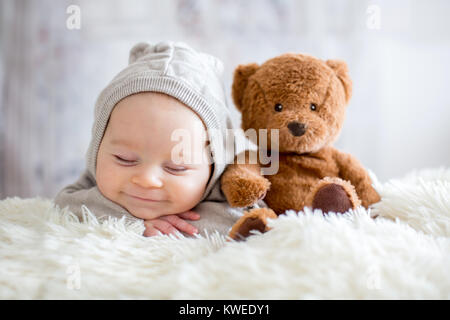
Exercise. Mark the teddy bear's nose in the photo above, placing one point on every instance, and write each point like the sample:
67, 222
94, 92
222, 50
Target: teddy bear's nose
297, 129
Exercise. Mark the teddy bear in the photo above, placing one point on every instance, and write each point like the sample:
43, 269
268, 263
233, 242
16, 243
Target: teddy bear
305, 99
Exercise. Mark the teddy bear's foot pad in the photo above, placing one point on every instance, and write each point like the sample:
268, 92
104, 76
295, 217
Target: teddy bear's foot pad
255, 219
332, 197
251, 224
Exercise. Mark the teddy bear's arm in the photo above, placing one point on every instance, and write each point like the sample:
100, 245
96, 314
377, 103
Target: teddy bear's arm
242, 184
352, 170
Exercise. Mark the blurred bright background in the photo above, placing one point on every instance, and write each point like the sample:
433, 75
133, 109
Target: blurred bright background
52, 69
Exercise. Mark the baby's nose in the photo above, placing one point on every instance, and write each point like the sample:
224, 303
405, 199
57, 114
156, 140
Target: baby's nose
148, 179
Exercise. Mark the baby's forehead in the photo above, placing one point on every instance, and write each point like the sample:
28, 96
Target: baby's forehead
154, 115
155, 103
152, 97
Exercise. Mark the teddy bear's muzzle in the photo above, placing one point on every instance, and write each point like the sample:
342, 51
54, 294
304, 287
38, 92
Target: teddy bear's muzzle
296, 128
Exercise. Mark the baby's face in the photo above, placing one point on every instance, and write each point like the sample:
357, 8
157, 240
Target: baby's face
135, 164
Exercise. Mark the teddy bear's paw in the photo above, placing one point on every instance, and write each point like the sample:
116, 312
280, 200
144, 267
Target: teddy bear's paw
245, 192
255, 219
335, 195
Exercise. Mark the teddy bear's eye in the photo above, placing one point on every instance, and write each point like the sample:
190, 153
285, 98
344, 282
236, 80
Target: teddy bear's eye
278, 107
313, 107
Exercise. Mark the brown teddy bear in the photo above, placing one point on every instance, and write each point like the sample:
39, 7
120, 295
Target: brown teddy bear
305, 98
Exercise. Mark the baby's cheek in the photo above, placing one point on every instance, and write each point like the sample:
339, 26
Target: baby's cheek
188, 192
108, 179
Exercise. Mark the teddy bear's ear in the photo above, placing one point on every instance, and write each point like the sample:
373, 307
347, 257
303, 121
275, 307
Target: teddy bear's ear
341, 70
240, 80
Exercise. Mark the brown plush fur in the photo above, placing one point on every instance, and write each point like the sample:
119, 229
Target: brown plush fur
311, 172
256, 219
243, 184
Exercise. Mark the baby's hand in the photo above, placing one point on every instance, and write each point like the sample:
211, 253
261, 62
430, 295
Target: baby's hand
171, 223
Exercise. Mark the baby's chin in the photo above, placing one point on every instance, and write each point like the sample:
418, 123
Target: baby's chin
148, 211
149, 214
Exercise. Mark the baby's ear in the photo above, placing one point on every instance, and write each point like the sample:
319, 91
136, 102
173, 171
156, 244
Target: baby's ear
240, 80
341, 70
138, 51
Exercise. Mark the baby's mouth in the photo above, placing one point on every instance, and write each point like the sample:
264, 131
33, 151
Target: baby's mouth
146, 199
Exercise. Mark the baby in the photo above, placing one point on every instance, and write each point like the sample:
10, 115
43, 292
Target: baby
135, 166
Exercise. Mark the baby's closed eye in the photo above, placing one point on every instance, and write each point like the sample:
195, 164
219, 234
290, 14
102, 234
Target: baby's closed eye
123, 159
169, 167
176, 168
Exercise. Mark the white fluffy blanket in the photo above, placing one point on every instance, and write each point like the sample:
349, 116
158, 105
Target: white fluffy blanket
404, 253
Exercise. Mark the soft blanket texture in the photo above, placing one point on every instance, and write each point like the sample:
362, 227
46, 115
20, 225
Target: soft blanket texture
403, 253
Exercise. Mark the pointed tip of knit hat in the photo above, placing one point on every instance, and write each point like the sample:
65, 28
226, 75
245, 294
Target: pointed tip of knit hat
142, 49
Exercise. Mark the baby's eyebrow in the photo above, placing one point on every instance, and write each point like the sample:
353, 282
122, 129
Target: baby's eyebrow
122, 142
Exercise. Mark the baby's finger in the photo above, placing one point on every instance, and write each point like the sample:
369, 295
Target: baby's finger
150, 231
181, 224
189, 215
164, 226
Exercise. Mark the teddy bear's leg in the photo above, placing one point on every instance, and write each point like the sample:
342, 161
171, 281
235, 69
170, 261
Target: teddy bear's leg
255, 219
333, 194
